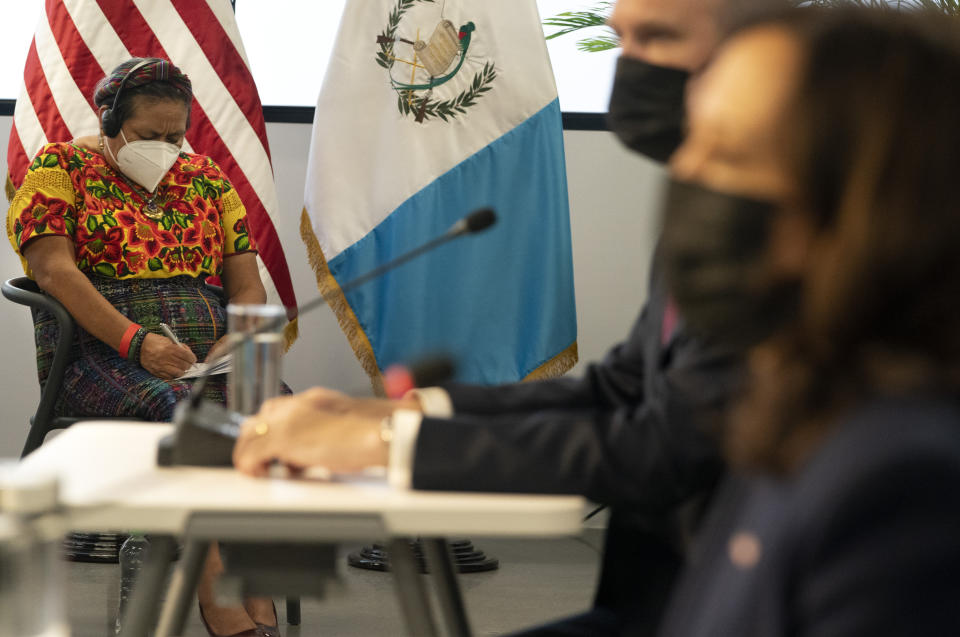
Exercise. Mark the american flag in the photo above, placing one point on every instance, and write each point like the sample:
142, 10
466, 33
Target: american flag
77, 42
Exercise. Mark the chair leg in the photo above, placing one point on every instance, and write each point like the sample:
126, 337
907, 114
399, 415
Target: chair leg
34, 439
293, 611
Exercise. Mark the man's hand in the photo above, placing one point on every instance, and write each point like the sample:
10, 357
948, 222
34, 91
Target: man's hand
316, 428
379, 408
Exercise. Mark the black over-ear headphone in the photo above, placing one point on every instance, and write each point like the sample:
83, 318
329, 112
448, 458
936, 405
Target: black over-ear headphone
108, 121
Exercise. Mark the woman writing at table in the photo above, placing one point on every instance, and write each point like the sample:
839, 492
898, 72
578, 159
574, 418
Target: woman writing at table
123, 229
123, 233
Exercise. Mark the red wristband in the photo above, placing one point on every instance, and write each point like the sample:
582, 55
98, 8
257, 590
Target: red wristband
127, 337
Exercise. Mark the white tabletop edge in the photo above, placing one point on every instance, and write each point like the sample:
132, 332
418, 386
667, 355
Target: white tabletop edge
110, 481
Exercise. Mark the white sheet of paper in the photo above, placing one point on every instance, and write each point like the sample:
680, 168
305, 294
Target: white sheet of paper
219, 366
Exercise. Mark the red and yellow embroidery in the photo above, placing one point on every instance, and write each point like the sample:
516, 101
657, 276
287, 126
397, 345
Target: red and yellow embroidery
69, 191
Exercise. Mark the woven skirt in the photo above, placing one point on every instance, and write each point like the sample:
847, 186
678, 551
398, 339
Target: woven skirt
98, 382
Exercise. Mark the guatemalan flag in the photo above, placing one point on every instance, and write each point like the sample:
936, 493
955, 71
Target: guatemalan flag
430, 110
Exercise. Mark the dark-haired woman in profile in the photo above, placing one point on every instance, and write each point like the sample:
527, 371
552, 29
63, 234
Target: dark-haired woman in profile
815, 216
123, 229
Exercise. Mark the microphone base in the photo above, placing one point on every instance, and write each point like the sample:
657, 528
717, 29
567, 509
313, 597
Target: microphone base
204, 436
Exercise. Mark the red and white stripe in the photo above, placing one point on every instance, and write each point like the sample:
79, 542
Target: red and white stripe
78, 41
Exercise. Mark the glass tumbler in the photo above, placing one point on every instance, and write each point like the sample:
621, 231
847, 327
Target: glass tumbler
257, 342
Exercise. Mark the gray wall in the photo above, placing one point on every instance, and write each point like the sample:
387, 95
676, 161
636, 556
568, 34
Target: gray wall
613, 198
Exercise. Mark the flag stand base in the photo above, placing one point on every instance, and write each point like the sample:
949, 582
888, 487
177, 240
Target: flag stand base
466, 557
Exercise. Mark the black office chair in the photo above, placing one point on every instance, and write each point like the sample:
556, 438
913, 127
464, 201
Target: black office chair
25, 291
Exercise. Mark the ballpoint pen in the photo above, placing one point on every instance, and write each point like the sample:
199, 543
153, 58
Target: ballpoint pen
169, 333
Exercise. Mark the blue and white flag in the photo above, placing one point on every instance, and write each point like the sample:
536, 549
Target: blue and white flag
431, 109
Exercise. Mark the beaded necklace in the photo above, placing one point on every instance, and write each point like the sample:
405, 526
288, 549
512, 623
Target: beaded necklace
151, 210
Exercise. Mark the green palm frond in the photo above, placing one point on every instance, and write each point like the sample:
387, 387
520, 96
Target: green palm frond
948, 7
601, 43
595, 17
873, 4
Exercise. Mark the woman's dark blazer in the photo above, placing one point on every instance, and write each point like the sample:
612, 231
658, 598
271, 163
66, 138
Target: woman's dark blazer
863, 540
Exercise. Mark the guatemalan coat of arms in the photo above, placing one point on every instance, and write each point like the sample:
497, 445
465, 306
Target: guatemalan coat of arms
429, 62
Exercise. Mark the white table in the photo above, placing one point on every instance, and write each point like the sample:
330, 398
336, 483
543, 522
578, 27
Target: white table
109, 480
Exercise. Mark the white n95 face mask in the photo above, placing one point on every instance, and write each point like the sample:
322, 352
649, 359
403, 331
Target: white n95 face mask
145, 161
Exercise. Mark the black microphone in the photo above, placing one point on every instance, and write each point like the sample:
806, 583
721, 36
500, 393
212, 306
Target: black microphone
429, 371
205, 432
474, 222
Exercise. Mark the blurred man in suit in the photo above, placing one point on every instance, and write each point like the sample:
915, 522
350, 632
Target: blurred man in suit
633, 433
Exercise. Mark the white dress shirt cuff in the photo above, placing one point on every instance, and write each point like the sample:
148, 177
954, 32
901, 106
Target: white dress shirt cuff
434, 401
406, 426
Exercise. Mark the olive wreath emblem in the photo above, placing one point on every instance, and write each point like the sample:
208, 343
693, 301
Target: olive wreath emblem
416, 99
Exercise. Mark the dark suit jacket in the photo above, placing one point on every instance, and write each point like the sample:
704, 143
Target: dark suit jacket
624, 435
864, 540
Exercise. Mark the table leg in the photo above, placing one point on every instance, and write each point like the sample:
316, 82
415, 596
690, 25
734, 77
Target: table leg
410, 589
444, 575
183, 586
141, 613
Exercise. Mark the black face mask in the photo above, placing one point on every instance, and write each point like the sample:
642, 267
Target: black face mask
713, 247
647, 107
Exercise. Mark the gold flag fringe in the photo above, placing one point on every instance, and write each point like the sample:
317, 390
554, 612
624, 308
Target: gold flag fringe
556, 366
290, 333
335, 298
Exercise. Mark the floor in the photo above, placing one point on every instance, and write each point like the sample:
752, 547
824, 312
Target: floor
537, 581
